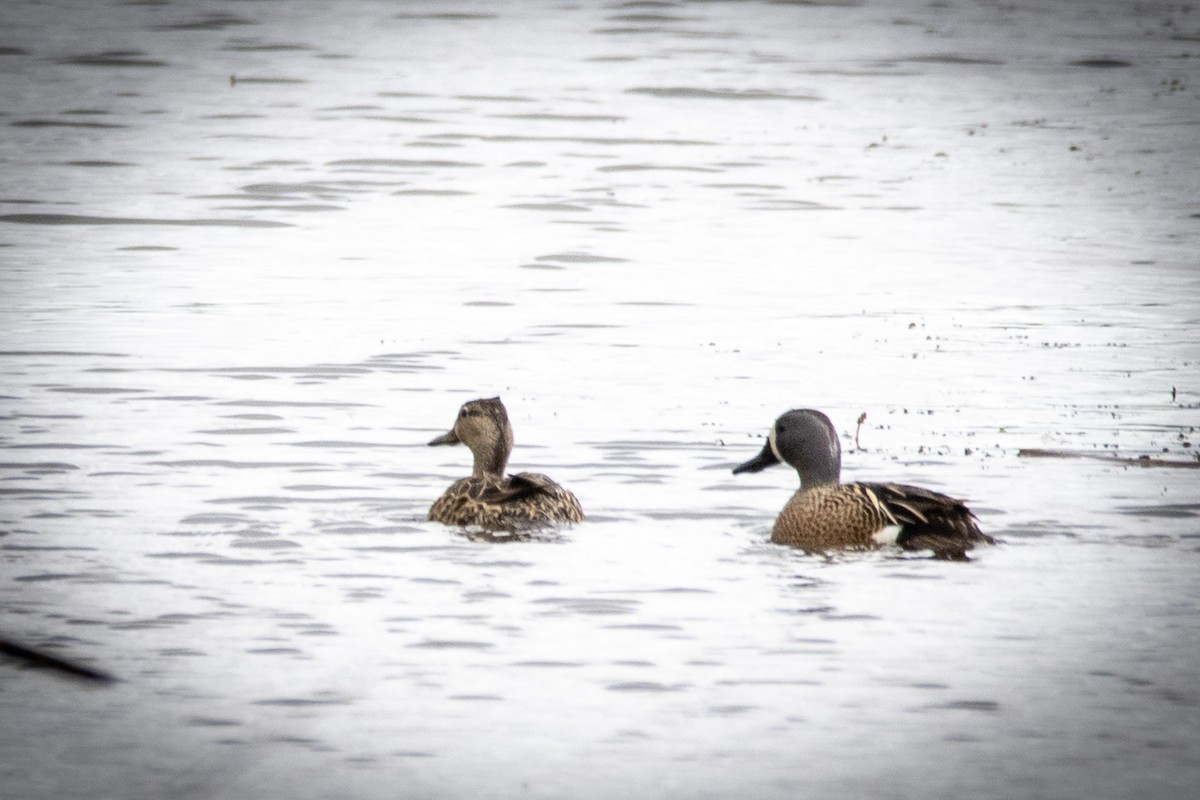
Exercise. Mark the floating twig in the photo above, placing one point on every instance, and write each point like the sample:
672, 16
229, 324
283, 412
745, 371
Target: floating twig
38, 658
1140, 461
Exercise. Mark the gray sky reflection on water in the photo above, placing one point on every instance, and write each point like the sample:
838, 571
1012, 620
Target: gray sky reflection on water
235, 311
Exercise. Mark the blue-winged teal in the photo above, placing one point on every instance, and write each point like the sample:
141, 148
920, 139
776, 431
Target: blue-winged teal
826, 514
489, 498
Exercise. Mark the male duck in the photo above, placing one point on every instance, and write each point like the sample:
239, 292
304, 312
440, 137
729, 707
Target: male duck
826, 514
488, 498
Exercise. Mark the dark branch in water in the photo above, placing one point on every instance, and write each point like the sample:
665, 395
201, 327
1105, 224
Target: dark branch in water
861, 419
1140, 461
38, 658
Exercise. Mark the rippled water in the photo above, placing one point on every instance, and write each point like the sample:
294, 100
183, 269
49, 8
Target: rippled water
256, 254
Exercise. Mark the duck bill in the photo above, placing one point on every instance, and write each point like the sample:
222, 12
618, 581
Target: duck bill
760, 462
446, 438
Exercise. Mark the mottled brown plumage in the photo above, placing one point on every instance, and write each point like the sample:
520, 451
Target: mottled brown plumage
489, 499
826, 514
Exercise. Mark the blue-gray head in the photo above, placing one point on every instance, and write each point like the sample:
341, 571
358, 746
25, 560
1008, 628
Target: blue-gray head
805, 439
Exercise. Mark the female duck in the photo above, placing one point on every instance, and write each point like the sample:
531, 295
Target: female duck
489, 498
826, 514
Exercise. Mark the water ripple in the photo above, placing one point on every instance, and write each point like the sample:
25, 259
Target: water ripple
79, 219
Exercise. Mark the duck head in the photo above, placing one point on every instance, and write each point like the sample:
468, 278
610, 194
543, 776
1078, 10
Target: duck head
806, 440
482, 425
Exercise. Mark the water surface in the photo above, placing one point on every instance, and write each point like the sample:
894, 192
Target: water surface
255, 255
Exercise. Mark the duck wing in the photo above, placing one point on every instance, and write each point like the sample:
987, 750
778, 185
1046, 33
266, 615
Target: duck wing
515, 488
541, 494
929, 520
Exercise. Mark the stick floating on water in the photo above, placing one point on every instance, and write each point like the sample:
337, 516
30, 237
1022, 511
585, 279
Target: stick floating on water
38, 658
